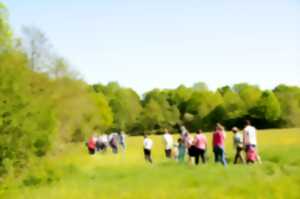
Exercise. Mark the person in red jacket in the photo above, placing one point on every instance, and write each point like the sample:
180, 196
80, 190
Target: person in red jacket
91, 144
219, 144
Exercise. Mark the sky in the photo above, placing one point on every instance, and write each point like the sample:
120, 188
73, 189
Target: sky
165, 43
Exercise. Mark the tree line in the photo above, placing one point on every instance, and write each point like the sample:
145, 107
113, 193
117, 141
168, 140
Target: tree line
197, 107
44, 103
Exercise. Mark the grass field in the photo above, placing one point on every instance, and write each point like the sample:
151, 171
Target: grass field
74, 174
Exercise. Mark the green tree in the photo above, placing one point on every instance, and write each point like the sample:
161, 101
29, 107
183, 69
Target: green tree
27, 120
289, 99
234, 106
267, 108
158, 112
5, 31
200, 105
249, 94
124, 102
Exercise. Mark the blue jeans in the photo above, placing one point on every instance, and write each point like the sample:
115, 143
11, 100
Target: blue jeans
220, 155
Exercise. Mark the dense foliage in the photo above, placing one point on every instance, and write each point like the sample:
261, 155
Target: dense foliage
198, 107
42, 105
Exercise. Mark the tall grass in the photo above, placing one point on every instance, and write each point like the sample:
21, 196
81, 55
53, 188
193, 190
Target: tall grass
74, 174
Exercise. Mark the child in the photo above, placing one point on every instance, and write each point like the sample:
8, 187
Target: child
147, 148
181, 150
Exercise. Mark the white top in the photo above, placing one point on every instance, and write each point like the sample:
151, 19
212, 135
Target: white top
104, 138
249, 135
148, 143
168, 140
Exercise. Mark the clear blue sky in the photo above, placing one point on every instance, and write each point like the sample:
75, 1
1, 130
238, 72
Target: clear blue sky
164, 43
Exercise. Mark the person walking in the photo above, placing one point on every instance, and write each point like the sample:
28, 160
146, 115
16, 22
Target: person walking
184, 135
91, 145
190, 148
249, 135
249, 140
168, 141
122, 138
238, 145
112, 139
147, 148
181, 150
218, 145
99, 144
200, 143
105, 143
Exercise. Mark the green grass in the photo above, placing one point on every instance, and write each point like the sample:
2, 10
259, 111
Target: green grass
74, 174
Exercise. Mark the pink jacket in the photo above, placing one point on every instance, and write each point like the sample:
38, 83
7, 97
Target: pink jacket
200, 141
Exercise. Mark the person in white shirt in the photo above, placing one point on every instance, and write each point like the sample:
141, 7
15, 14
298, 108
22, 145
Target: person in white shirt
147, 148
249, 140
168, 141
249, 136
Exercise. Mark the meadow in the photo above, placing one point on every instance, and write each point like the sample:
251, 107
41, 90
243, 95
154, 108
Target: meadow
70, 172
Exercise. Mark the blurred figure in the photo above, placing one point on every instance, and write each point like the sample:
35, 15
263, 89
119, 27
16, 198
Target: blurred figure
181, 150
200, 143
147, 148
91, 145
122, 137
184, 135
249, 135
113, 143
104, 139
251, 155
249, 138
101, 143
238, 145
168, 141
98, 143
218, 145
221, 127
191, 149
175, 151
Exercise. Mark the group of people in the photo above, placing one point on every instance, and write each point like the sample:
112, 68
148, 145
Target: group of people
100, 143
196, 146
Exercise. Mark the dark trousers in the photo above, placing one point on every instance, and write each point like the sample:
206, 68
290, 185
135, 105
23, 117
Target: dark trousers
168, 153
147, 154
91, 151
238, 155
199, 153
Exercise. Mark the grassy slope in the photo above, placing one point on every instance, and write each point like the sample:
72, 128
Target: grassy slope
74, 174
